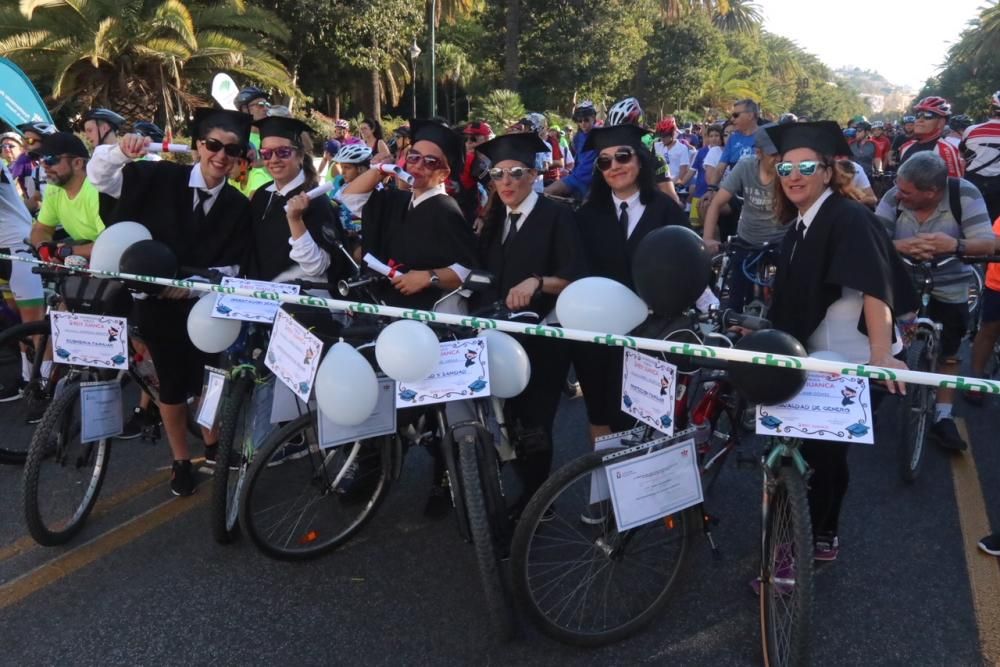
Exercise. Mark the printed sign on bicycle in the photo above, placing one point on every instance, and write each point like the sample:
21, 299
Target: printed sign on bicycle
293, 355
90, 340
830, 407
461, 374
648, 390
234, 307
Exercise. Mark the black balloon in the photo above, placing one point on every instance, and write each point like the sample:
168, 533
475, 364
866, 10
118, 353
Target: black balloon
671, 268
768, 385
148, 258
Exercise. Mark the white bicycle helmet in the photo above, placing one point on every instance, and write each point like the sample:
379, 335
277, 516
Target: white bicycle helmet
627, 111
995, 99
353, 154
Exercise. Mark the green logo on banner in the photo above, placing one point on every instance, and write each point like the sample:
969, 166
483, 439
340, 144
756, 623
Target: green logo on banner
267, 296
420, 316
780, 362
545, 332
307, 300
862, 372
693, 350
964, 384
363, 308
615, 341
479, 323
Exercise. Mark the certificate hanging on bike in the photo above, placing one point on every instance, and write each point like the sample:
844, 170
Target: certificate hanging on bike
248, 309
830, 407
90, 340
293, 355
461, 374
648, 390
100, 410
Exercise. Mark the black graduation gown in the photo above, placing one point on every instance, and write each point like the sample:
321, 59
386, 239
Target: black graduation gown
607, 251
431, 236
268, 252
845, 246
609, 255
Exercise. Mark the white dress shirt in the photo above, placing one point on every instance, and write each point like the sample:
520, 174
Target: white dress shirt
635, 210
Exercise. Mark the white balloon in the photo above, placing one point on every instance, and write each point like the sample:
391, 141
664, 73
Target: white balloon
600, 304
211, 334
828, 355
407, 351
113, 241
346, 386
510, 368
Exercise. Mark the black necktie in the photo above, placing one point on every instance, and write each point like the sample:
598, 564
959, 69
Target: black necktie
512, 232
797, 236
199, 209
623, 218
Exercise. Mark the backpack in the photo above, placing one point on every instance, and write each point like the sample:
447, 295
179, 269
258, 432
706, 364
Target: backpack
954, 200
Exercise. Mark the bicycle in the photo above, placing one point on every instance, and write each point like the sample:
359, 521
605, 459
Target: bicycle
594, 585
758, 266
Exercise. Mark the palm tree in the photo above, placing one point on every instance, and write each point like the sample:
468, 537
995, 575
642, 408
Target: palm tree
500, 108
739, 16
449, 10
672, 11
454, 68
727, 84
141, 56
981, 40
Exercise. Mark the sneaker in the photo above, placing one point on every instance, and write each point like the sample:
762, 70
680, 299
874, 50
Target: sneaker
946, 433
182, 482
595, 514
826, 549
211, 454
11, 392
135, 425
295, 448
991, 544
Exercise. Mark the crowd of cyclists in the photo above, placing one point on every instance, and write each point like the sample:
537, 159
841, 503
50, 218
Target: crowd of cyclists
539, 207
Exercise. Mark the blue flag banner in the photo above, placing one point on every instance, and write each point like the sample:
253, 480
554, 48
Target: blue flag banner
19, 101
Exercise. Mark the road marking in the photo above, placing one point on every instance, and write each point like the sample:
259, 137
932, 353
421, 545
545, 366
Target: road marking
25, 544
984, 575
85, 554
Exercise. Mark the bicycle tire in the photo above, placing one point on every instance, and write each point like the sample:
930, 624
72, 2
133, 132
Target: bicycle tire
33, 394
310, 535
52, 443
484, 533
231, 460
565, 493
787, 531
915, 412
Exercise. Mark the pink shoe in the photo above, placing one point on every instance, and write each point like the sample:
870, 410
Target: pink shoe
826, 549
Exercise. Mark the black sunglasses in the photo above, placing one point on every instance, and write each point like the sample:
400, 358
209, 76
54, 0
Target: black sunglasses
623, 156
52, 160
927, 115
214, 146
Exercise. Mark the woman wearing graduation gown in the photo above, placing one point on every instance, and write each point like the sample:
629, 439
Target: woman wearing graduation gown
531, 246
623, 206
838, 287
421, 230
203, 219
299, 243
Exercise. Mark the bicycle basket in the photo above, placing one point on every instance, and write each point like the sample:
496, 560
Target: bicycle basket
84, 294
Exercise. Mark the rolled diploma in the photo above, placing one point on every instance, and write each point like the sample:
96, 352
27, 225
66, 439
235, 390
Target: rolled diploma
169, 148
317, 191
389, 168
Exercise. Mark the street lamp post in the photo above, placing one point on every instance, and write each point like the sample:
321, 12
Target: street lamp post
414, 54
433, 74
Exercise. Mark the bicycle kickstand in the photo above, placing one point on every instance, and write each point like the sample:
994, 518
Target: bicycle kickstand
707, 522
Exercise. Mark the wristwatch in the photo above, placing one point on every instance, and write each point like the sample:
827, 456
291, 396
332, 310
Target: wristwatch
435, 278
959, 247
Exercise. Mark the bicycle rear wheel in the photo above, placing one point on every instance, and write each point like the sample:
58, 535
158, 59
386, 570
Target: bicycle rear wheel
786, 576
30, 338
62, 476
301, 502
487, 530
916, 409
591, 585
232, 458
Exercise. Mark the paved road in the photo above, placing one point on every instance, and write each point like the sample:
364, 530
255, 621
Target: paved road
145, 584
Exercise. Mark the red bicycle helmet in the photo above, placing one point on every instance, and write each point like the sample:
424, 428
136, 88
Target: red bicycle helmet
936, 105
667, 125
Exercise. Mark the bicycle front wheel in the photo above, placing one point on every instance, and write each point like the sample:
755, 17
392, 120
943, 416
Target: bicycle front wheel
916, 410
232, 458
300, 500
786, 576
62, 476
486, 531
582, 581
23, 342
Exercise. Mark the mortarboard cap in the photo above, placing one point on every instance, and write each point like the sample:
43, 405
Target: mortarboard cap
825, 137
520, 147
443, 137
280, 126
600, 138
208, 118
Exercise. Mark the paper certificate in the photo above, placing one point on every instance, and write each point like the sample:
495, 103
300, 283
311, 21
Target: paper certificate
650, 487
381, 421
598, 480
100, 410
90, 340
830, 407
211, 397
648, 390
461, 374
232, 307
293, 355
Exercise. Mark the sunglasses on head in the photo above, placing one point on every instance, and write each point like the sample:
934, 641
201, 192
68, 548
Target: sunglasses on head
283, 152
806, 168
52, 160
623, 156
429, 161
927, 115
214, 146
517, 173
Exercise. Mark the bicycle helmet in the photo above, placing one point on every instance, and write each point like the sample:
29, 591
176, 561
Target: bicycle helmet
148, 129
863, 125
353, 154
667, 125
248, 95
105, 115
909, 120
878, 125
13, 136
788, 118
342, 124
627, 111
586, 110
858, 119
960, 122
39, 128
936, 105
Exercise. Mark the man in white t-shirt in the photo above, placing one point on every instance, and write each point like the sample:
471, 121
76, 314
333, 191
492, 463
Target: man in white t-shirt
675, 153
